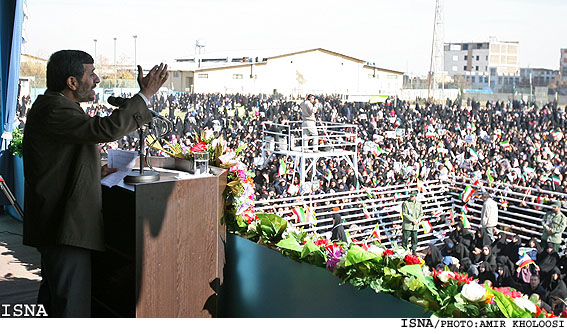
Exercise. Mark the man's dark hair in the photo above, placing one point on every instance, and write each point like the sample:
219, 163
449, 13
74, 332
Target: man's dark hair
63, 64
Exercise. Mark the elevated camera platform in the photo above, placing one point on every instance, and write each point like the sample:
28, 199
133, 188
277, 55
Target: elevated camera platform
290, 141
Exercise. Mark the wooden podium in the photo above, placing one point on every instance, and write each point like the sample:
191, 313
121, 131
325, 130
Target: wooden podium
165, 248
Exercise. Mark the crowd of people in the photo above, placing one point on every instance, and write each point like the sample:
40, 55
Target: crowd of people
507, 142
524, 266
511, 142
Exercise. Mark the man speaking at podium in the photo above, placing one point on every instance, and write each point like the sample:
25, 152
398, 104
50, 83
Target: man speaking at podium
63, 202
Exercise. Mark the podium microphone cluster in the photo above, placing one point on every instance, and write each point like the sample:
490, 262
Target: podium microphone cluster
139, 176
119, 101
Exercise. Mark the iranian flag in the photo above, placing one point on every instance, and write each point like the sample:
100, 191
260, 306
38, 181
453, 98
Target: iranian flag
449, 165
556, 158
310, 216
368, 192
556, 180
427, 228
375, 234
420, 186
539, 201
465, 209
430, 134
452, 217
465, 221
473, 153
467, 194
529, 170
299, 214
524, 261
557, 135
505, 145
489, 176
365, 211
283, 168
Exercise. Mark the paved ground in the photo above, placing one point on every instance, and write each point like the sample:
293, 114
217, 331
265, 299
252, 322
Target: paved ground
19, 265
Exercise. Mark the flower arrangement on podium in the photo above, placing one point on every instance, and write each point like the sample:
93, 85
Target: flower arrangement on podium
184, 153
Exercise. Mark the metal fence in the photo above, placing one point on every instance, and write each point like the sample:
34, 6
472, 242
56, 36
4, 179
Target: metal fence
378, 209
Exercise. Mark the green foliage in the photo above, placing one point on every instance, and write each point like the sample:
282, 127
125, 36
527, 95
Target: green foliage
356, 255
312, 254
16, 145
271, 227
291, 244
507, 306
291, 248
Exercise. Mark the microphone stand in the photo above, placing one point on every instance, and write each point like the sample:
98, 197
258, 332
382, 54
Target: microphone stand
139, 175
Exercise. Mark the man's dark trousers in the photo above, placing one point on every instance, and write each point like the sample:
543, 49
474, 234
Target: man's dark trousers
65, 289
406, 234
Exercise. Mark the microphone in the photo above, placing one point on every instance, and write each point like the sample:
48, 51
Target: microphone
116, 101
119, 101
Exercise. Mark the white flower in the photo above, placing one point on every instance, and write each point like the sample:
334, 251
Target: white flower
227, 157
209, 134
473, 292
400, 253
376, 250
525, 303
444, 276
252, 226
215, 143
426, 271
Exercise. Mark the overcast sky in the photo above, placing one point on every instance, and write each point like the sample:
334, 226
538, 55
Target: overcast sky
394, 34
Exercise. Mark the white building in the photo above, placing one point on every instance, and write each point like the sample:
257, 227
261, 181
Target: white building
563, 65
484, 64
317, 71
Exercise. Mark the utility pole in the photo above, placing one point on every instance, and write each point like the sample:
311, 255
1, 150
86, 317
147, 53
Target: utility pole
135, 63
436, 64
114, 62
95, 49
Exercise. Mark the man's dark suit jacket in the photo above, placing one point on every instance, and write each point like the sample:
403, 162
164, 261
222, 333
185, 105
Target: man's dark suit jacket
63, 201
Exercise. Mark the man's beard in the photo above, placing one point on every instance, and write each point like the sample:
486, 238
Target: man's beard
84, 93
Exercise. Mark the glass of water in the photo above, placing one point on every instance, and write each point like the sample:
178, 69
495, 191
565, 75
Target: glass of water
201, 163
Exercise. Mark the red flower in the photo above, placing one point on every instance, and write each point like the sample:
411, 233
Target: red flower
538, 311
510, 293
412, 259
462, 278
322, 242
361, 244
333, 247
388, 252
201, 146
550, 315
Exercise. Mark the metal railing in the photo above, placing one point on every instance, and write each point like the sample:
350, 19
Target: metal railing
290, 137
521, 209
366, 210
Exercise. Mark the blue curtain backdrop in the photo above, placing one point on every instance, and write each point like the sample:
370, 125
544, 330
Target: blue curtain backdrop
11, 20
